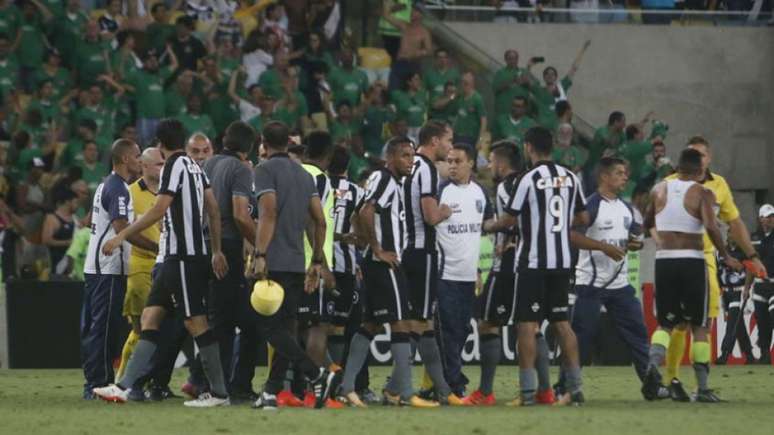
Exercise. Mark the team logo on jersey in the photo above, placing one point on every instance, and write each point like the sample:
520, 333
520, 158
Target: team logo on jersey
627, 221
121, 205
535, 307
343, 194
330, 308
501, 309
479, 206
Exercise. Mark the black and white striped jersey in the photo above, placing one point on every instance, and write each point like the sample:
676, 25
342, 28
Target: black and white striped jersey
546, 199
386, 193
422, 182
185, 182
347, 197
505, 190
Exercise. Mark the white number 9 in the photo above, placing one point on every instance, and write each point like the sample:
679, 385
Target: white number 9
556, 208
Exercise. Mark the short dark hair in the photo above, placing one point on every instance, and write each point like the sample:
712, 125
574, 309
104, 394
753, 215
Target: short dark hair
298, 150
60, 196
562, 107
469, 151
319, 144
508, 151
430, 130
186, 21
395, 143
156, 6
698, 140
690, 162
339, 160
615, 117
606, 165
88, 123
275, 135
550, 68
239, 136
119, 149
343, 103
521, 98
541, 139
171, 134
631, 131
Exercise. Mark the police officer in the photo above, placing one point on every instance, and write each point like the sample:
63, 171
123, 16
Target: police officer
763, 292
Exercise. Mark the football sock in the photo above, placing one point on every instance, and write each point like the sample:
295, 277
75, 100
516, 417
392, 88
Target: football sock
140, 362
336, 344
542, 363
359, 347
573, 381
674, 353
209, 353
401, 364
126, 352
659, 342
490, 358
527, 384
431, 357
701, 357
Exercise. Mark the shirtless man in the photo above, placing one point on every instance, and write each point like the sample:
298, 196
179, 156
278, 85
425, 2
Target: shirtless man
680, 211
415, 43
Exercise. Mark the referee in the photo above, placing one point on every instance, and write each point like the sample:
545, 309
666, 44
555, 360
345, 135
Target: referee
232, 185
547, 202
287, 200
184, 195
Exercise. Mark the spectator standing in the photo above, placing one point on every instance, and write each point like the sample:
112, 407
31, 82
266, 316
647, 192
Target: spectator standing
188, 49
194, 120
606, 139
510, 81
415, 44
441, 73
376, 116
411, 104
53, 71
347, 82
31, 43
159, 31
67, 31
59, 226
147, 85
566, 153
391, 35
72, 154
736, 290
470, 121
514, 126
93, 169
554, 90
176, 95
657, 166
10, 18
9, 69
763, 291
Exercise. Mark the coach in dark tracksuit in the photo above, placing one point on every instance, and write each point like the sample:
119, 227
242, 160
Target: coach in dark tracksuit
763, 292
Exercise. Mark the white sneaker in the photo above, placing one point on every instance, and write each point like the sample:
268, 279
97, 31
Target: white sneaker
112, 393
207, 400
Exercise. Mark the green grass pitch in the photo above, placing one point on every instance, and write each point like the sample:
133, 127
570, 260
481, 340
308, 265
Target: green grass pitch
48, 401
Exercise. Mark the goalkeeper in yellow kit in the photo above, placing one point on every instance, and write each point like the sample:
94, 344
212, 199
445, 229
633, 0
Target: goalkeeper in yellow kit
726, 211
141, 261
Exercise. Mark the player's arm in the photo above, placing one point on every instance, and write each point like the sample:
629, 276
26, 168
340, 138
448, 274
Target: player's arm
711, 225
317, 232
267, 222
433, 212
741, 237
240, 208
132, 232
749, 279
47, 233
367, 219
219, 264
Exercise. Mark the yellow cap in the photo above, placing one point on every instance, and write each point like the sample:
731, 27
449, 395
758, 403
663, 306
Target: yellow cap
267, 297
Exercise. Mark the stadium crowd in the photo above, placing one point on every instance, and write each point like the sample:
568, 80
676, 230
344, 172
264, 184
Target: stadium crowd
74, 80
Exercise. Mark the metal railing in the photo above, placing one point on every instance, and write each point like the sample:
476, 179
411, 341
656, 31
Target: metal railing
602, 12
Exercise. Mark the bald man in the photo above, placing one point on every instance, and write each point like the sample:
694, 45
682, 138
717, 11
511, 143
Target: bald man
143, 194
199, 148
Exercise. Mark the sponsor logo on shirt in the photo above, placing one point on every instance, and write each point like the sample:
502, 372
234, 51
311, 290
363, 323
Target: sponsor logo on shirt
121, 206
554, 182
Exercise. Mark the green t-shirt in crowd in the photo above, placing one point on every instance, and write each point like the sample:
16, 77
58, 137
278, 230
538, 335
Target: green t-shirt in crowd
604, 139
271, 83
635, 152
149, 91
372, 128
24, 161
344, 131
571, 157
357, 164
48, 109
93, 175
347, 85
545, 103
91, 61
469, 111
503, 98
435, 80
72, 153
195, 123
104, 116
157, 35
175, 103
293, 117
508, 128
413, 107
10, 20
221, 111
60, 79
9, 76
32, 46
68, 34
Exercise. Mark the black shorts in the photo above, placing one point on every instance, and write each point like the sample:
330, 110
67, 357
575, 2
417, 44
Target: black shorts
682, 292
387, 293
328, 306
421, 268
182, 285
497, 302
542, 294
293, 285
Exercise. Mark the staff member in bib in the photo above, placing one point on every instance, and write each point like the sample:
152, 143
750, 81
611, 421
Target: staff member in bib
459, 239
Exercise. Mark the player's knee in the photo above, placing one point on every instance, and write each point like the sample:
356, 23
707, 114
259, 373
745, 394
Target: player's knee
401, 326
485, 328
196, 325
151, 318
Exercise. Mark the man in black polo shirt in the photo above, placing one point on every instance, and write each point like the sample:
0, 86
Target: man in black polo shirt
232, 184
287, 199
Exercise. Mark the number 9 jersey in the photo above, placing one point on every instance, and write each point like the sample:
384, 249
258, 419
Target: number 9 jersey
546, 199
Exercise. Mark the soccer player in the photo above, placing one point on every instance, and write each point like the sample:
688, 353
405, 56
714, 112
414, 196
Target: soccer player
599, 280
680, 211
547, 202
143, 193
459, 243
287, 200
387, 294
105, 274
232, 186
184, 195
728, 213
497, 302
420, 259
